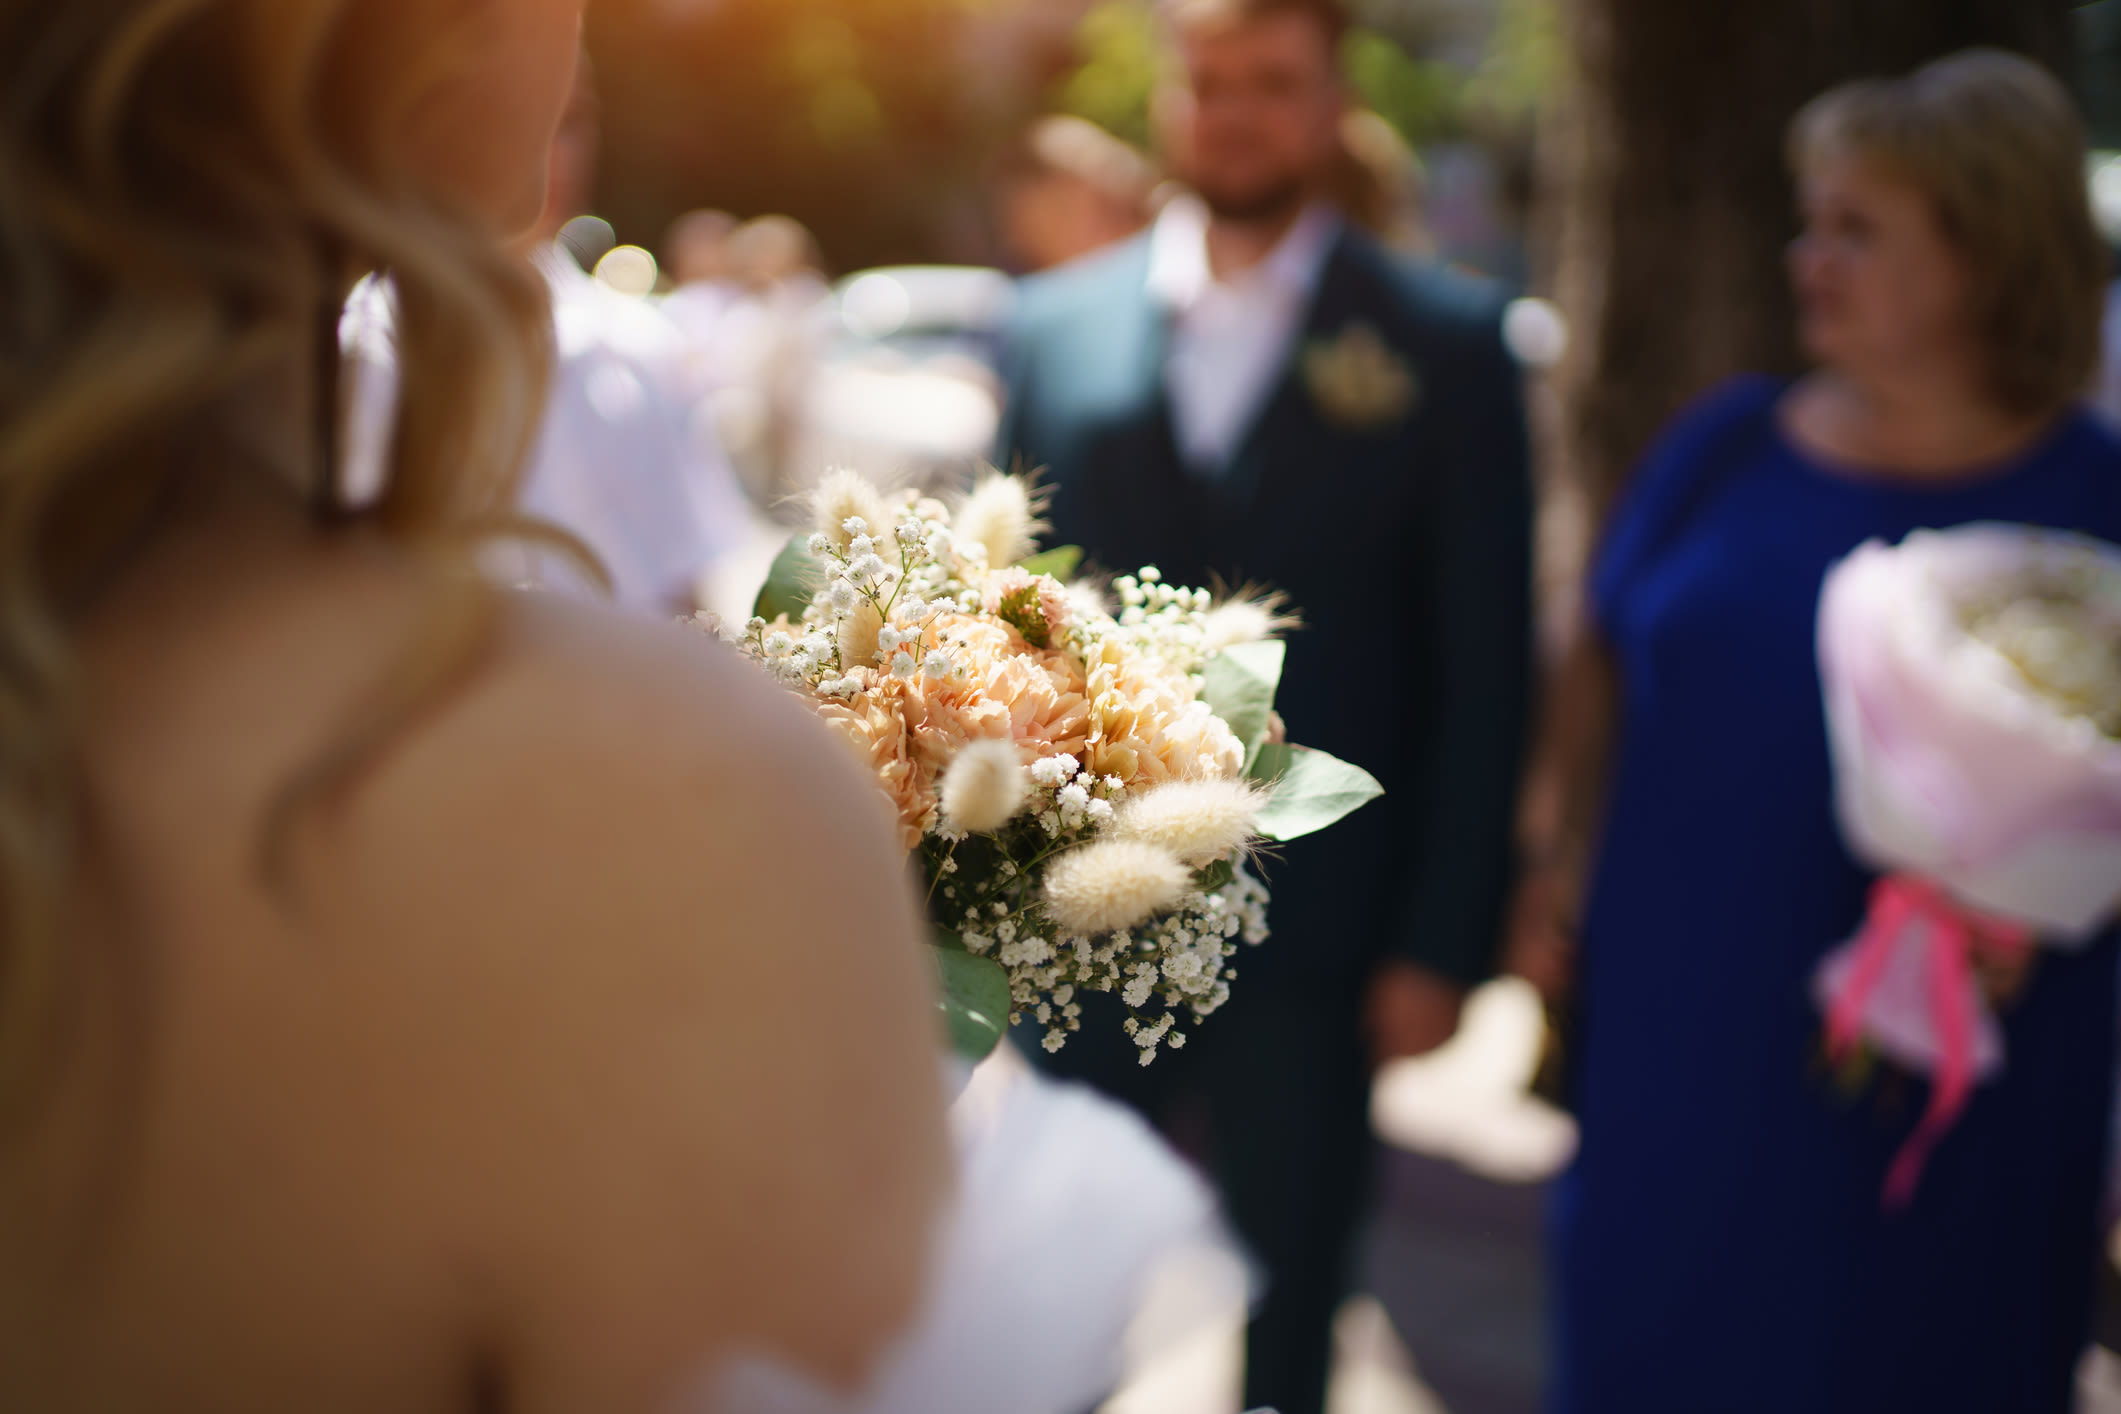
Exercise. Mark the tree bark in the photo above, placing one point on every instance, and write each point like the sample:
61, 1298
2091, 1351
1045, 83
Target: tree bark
1669, 202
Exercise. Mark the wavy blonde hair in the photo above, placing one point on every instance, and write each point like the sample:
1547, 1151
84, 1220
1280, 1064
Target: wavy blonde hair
1994, 142
184, 203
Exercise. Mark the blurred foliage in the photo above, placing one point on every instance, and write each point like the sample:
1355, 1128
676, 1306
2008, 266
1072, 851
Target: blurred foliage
1428, 99
1120, 67
874, 121
868, 120
1526, 62
1423, 98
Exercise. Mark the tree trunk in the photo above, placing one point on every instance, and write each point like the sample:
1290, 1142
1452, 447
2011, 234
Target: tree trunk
1668, 200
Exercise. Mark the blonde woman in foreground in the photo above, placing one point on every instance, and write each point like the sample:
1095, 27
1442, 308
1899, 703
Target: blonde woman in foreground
407, 991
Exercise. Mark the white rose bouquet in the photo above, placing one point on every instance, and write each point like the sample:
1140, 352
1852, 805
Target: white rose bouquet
1973, 701
1082, 785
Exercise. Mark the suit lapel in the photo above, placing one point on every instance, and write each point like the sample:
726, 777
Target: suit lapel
1137, 493
1289, 415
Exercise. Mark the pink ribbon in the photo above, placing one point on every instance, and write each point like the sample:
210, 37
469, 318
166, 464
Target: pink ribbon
1904, 907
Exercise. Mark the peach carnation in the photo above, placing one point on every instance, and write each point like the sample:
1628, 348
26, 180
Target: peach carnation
1148, 726
873, 724
909, 730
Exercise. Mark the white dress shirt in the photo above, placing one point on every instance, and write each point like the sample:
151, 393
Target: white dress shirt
620, 459
1231, 340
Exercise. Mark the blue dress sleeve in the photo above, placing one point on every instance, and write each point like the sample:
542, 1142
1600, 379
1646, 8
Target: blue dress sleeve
1667, 488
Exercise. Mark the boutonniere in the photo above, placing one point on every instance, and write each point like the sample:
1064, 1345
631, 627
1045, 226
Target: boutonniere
1358, 380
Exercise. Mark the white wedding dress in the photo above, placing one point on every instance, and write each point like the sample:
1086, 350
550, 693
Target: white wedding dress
1069, 1210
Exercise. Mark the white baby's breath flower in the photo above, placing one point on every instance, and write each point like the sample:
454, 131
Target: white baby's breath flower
984, 787
1113, 884
1053, 771
903, 667
1199, 821
999, 517
1138, 990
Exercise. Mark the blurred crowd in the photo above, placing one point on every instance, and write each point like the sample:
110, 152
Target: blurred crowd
733, 329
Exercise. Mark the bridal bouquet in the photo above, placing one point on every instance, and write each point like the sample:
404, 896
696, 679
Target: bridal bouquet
1081, 784
1973, 700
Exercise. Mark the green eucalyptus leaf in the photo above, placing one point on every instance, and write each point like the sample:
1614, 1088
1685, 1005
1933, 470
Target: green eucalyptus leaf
1239, 684
1219, 875
791, 583
974, 1000
1311, 790
1061, 563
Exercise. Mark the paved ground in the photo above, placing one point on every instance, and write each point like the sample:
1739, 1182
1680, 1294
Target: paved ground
1450, 1318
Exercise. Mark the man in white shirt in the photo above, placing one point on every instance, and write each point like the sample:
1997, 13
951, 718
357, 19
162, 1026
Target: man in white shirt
1230, 337
622, 459
1256, 392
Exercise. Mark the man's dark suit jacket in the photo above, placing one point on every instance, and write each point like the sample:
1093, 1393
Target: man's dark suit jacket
1405, 542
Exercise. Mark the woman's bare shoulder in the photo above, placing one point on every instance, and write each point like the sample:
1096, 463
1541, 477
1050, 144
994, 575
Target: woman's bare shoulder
607, 958
684, 942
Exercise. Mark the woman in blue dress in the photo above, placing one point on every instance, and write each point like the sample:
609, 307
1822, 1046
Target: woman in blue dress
1721, 1244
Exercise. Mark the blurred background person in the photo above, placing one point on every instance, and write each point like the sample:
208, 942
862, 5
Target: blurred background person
1720, 1241
622, 462
696, 249
757, 358
1065, 189
1255, 390
388, 959
776, 258
696, 258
